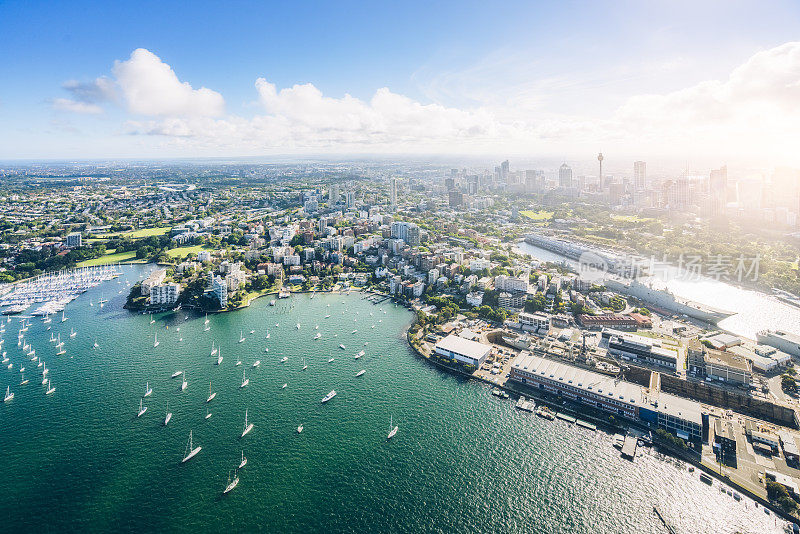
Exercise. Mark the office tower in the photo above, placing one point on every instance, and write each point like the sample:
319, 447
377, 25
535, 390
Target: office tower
718, 190
504, 171
393, 194
449, 183
565, 176
455, 198
639, 175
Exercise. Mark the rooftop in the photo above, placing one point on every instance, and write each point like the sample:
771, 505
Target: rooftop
465, 347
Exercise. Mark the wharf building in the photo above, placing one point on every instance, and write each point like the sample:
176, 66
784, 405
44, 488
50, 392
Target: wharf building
677, 415
640, 349
462, 350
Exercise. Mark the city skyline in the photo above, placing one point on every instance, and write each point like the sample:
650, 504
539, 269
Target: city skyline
654, 83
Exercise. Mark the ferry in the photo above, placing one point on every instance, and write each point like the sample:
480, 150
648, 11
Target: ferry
329, 396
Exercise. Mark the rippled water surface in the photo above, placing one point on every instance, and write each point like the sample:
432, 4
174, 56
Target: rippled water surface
462, 460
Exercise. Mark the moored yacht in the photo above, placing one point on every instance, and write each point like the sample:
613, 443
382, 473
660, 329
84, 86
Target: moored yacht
9, 394
392, 430
329, 396
247, 426
211, 394
168, 416
191, 451
361, 372
243, 462
231, 483
245, 380
142, 409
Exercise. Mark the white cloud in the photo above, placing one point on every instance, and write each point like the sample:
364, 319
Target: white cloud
74, 106
150, 87
753, 112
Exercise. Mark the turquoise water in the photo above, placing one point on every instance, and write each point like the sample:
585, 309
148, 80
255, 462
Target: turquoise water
462, 460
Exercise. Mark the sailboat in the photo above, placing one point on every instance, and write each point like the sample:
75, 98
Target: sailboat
9, 394
330, 360
256, 363
231, 483
219, 357
304, 365
268, 334
95, 343
184, 383
297, 326
299, 429
213, 349
247, 427
317, 335
176, 374
47, 318
284, 386
208, 414
63, 316
60, 343
73, 333
245, 380
211, 394
283, 360
241, 336
392, 430
206, 321
142, 409
361, 372
190, 451
24, 381
243, 462
155, 342
147, 389
51, 389
329, 396
151, 319
168, 416
238, 361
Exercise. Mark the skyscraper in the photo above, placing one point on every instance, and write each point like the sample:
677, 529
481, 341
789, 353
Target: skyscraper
393, 194
639, 175
565, 176
333, 194
718, 190
504, 171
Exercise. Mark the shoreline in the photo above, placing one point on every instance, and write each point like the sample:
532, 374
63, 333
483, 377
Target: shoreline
663, 447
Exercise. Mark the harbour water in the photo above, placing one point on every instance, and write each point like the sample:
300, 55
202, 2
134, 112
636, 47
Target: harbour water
753, 310
462, 460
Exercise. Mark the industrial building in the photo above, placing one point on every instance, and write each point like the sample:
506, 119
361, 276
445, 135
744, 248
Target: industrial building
674, 414
462, 350
641, 349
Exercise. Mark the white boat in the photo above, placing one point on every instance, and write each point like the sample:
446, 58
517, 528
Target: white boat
63, 316
277, 325
208, 414
213, 349
142, 409
266, 349
268, 334
359, 355
245, 380
184, 383
176, 374
52, 338
45, 370
243, 462
147, 389
317, 335
95, 344
219, 357
51, 389
297, 326
168, 416
327, 316
283, 386
329, 396
211, 394
361, 372
304, 365
354, 331
24, 381
62, 351
341, 346
231, 483
206, 320
252, 331
9, 394
60, 343
330, 360
241, 337
299, 429
316, 327
272, 302
190, 451
73, 333
283, 360
207, 328
155, 342
247, 426
392, 430
47, 318
256, 363
238, 362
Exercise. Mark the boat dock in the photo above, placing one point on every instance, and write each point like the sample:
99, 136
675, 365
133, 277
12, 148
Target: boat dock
585, 424
525, 405
629, 447
565, 417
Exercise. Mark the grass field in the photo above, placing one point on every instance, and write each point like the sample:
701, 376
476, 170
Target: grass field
138, 234
540, 215
109, 258
629, 218
183, 251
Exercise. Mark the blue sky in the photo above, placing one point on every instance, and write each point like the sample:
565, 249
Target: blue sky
547, 77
